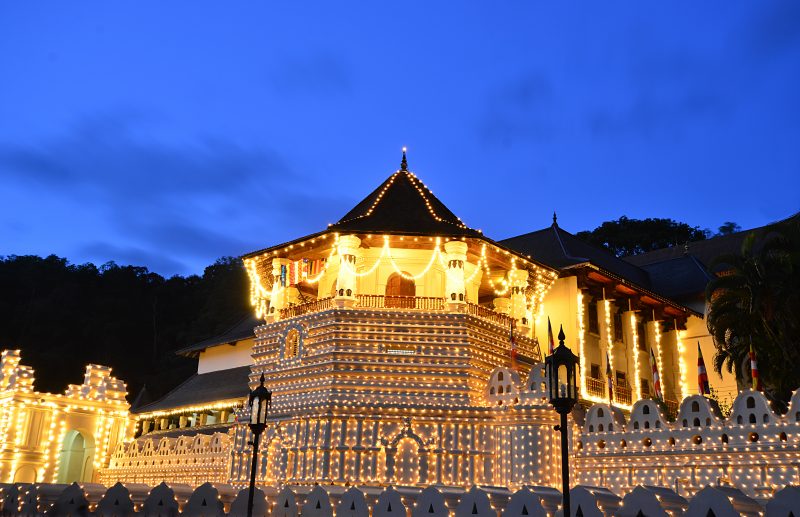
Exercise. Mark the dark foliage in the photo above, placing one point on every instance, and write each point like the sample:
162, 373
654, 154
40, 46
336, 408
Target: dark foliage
635, 236
756, 299
63, 316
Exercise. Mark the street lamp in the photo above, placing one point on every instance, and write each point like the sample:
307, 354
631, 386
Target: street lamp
259, 403
561, 368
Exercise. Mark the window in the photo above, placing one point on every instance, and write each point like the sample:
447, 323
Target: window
595, 373
291, 348
622, 380
751, 403
400, 292
695, 406
645, 410
617, 326
594, 322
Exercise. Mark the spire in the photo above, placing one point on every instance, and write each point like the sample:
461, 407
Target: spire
555, 218
403, 162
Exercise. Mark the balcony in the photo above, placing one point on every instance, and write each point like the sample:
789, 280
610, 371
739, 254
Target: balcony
596, 387
415, 303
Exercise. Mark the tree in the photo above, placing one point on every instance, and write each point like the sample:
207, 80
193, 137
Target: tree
755, 298
635, 236
728, 227
63, 316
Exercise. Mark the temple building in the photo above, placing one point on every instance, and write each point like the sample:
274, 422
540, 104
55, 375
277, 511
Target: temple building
403, 347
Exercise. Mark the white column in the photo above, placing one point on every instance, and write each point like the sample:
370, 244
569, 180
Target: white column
519, 306
605, 310
455, 289
633, 359
346, 280
277, 300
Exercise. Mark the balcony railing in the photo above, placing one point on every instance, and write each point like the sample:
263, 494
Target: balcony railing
379, 301
488, 314
622, 394
322, 304
596, 387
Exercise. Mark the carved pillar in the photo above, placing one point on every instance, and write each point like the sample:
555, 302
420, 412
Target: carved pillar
277, 300
455, 289
502, 305
346, 280
518, 307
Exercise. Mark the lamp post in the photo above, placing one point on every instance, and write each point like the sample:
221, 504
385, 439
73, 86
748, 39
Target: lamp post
259, 403
561, 368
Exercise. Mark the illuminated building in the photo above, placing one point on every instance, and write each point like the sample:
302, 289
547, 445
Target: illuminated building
386, 343
49, 438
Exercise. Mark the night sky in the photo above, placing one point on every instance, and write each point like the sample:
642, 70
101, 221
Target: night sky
167, 134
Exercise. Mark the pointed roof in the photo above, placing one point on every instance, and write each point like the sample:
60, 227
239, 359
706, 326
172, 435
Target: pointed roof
403, 204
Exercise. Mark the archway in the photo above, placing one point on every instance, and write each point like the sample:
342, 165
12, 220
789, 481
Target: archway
400, 291
273, 462
77, 458
407, 471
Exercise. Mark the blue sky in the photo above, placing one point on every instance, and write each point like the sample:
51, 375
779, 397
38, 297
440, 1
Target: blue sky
167, 134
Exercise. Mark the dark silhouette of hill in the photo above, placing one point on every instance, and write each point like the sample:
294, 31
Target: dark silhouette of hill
64, 316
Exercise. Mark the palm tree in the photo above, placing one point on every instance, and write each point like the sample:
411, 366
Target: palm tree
755, 298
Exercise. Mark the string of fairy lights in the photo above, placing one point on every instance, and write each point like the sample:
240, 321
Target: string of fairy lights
540, 280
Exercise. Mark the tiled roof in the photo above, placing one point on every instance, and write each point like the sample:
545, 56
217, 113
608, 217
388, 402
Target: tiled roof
560, 249
243, 329
203, 388
403, 204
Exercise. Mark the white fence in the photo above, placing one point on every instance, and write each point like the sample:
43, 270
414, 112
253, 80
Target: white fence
218, 500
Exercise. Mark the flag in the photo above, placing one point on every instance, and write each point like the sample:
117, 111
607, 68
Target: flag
702, 376
550, 341
656, 380
513, 344
610, 381
754, 369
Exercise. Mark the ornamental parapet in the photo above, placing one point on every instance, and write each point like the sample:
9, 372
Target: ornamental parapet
753, 449
189, 459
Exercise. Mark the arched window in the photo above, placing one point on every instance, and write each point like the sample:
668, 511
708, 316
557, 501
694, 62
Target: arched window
646, 424
752, 418
499, 376
292, 344
636, 425
696, 422
695, 406
646, 410
751, 403
400, 291
739, 420
600, 412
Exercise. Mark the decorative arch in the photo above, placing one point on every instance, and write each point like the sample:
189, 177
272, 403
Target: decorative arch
406, 459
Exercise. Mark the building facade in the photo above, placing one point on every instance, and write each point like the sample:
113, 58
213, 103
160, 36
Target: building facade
59, 438
403, 347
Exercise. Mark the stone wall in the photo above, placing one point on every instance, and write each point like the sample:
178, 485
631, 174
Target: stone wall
754, 449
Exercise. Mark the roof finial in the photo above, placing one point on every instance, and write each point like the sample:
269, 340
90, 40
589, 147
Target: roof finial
555, 218
404, 163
